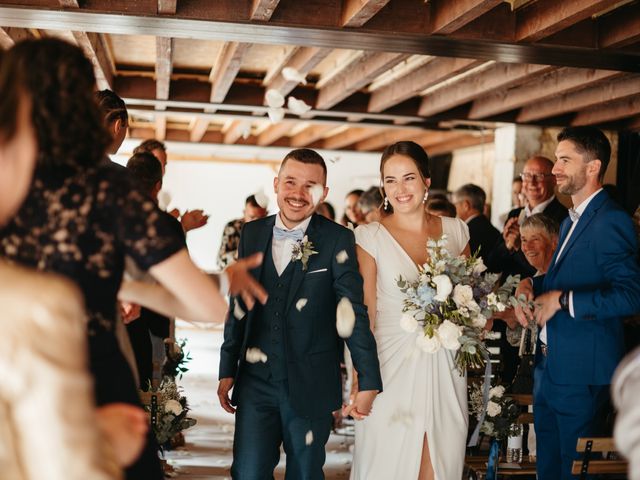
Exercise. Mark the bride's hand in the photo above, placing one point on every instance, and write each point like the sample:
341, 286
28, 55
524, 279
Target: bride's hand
360, 406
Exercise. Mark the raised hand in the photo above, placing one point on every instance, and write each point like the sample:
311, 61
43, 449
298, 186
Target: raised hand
192, 219
242, 283
511, 234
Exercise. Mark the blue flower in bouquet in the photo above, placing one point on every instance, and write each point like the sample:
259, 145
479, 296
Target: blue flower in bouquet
425, 294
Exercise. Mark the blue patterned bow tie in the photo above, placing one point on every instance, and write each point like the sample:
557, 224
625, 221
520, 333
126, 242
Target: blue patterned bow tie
574, 215
282, 234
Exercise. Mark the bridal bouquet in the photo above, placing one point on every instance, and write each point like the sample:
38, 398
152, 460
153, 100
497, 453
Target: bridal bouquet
450, 303
500, 412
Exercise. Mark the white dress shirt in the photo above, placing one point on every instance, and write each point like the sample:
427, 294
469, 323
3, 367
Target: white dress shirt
526, 212
580, 210
281, 249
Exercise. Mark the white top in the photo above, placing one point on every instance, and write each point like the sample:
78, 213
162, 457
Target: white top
537, 209
281, 249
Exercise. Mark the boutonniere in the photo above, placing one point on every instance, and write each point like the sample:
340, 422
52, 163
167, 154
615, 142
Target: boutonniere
302, 250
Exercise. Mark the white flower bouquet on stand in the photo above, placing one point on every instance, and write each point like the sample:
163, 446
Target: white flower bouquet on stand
450, 302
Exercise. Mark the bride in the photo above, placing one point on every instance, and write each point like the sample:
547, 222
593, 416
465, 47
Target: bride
418, 426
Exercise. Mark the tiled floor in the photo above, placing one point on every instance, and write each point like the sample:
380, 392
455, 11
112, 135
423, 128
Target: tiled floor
207, 454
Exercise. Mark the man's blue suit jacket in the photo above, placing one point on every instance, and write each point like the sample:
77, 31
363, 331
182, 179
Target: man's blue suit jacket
600, 266
312, 343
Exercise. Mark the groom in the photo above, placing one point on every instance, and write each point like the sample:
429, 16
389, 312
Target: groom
285, 391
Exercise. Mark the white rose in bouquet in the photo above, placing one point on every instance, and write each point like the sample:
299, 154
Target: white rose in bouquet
496, 392
449, 334
443, 287
408, 323
492, 301
479, 266
173, 406
428, 344
493, 409
479, 321
463, 296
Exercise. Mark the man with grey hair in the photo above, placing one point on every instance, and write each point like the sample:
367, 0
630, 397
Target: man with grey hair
469, 200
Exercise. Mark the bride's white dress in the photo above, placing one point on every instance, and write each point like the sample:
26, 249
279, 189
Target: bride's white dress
423, 392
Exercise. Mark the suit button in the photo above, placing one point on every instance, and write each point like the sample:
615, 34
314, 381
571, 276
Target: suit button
276, 327
279, 285
277, 314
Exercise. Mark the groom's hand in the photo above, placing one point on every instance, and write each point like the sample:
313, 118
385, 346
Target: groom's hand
360, 407
524, 313
224, 387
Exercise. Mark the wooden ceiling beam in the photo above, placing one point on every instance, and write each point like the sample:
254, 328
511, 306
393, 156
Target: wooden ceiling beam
94, 48
303, 60
261, 10
608, 112
69, 3
619, 88
362, 72
273, 133
620, 28
348, 137
461, 142
164, 66
448, 16
226, 69
311, 134
563, 80
167, 7
235, 131
198, 130
385, 138
9, 36
499, 76
428, 139
161, 127
436, 71
546, 17
355, 13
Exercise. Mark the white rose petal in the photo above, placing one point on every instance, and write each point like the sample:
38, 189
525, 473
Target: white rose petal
342, 256
492, 299
443, 287
479, 321
463, 295
479, 266
274, 98
237, 311
408, 323
497, 391
275, 114
449, 334
316, 191
173, 406
255, 355
345, 318
308, 438
501, 306
261, 199
493, 409
290, 74
164, 199
297, 107
300, 304
428, 344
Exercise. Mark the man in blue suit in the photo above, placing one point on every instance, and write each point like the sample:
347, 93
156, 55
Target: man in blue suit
593, 281
283, 358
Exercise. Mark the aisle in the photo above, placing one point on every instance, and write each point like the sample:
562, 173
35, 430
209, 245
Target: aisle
208, 450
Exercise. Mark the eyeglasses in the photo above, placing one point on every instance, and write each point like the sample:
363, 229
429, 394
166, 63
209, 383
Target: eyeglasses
538, 177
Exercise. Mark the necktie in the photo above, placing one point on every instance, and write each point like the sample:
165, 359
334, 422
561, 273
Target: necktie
574, 215
282, 234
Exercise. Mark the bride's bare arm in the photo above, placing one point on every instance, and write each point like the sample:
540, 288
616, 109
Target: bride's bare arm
369, 272
467, 251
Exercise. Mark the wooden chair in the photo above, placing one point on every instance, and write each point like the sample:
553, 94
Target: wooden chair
604, 445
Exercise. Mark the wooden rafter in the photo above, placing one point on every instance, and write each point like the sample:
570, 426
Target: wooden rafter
273, 133
620, 28
303, 60
94, 48
546, 17
432, 73
355, 13
461, 142
9, 36
626, 107
618, 88
226, 68
563, 80
69, 3
167, 7
198, 130
348, 137
428, 139
161, 127
381, 140
448, 16
498, 76
359, 74
261, 10
309, 135
235, 131
164, 66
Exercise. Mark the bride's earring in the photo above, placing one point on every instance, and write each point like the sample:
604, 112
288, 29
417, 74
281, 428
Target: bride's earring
426, 195
386, 203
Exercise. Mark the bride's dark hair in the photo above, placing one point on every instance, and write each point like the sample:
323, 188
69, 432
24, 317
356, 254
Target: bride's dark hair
410, 150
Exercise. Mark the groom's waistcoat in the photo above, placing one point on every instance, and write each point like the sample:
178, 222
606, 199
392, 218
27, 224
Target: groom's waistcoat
268, 332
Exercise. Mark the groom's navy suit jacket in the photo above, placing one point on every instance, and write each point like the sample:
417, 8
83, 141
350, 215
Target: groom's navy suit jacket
600, 266
312, 347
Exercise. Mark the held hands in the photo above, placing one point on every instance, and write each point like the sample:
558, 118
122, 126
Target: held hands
546, 305
360, 406
129, 312
242, 283
224, 387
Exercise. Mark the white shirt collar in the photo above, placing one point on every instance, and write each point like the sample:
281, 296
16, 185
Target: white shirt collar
538, 208
583, 206
301, 226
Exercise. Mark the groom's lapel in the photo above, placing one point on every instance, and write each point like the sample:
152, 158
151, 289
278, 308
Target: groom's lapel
263, 241
314, 236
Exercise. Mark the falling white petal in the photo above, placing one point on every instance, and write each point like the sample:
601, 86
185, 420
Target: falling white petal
300, 304
297, 107
345, 318
238, 312
255, 355
342, 256
261, 199
308, 438
316, 191
276, 114
274, 98
290, 74
164, 199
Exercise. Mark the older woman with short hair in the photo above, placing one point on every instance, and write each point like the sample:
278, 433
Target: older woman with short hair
539, 237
